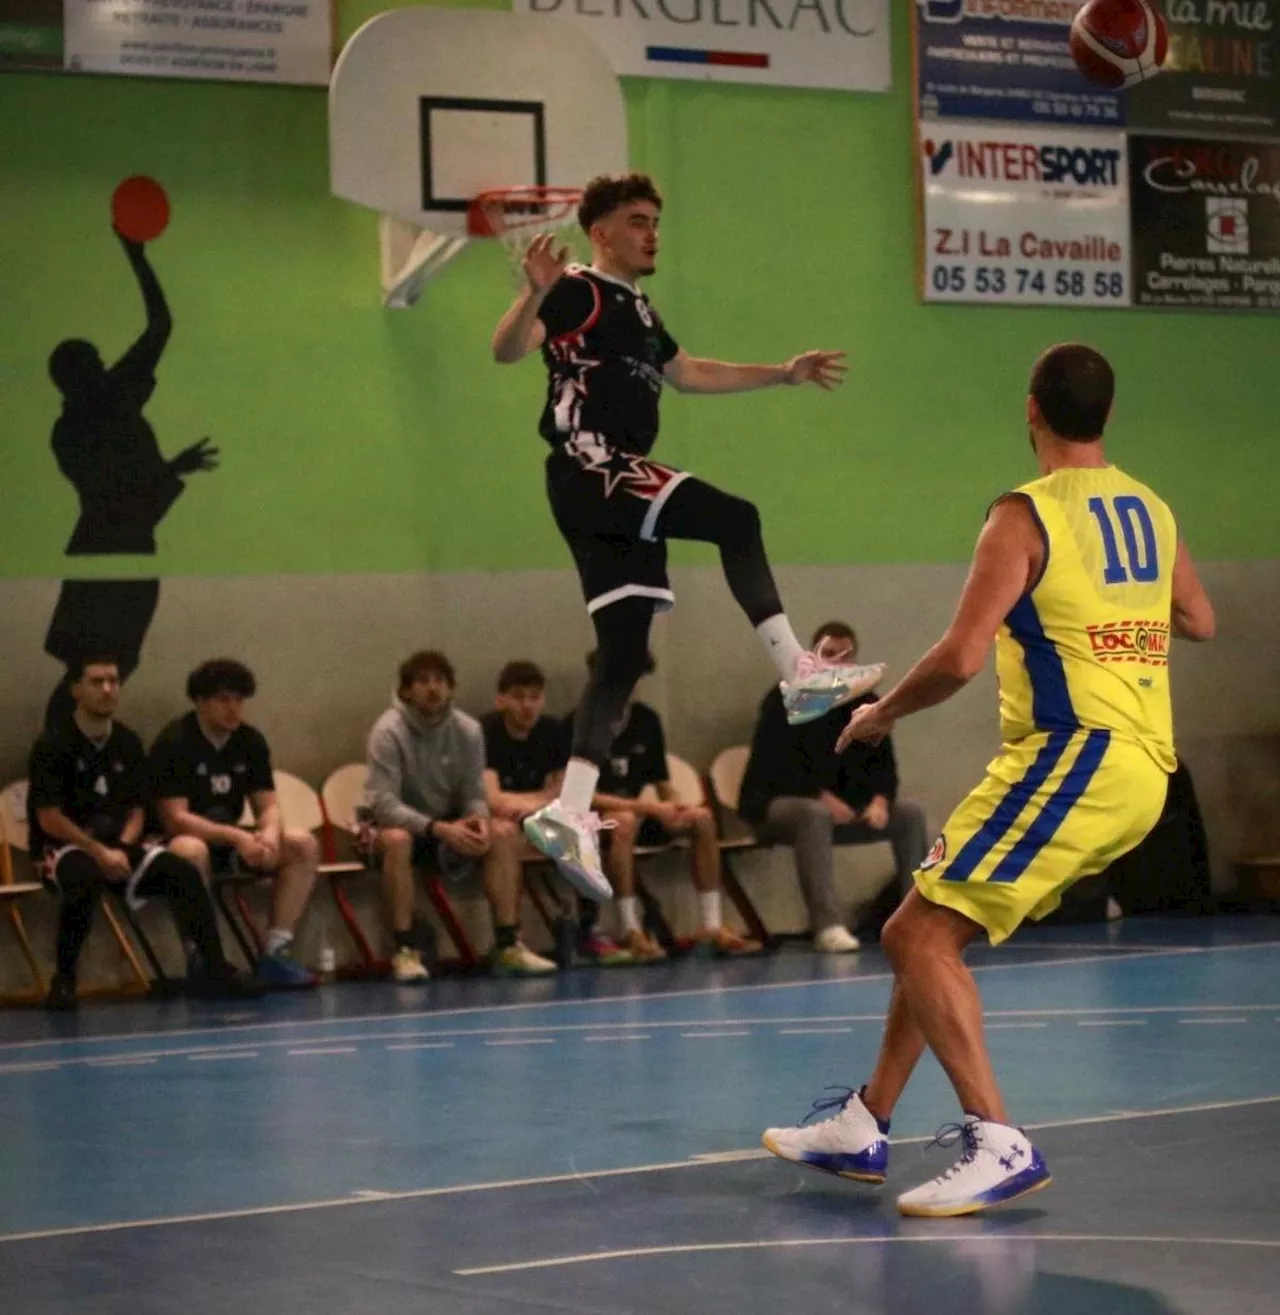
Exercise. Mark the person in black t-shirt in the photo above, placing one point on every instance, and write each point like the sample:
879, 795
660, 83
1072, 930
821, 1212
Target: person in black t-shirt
797, 790
85, 796
205, 768
635, 794
608, 355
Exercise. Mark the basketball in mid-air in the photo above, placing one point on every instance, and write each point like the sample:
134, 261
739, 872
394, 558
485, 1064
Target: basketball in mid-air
1119, 43
139, 209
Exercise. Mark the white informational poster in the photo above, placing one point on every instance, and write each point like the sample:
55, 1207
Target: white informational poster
236, 40
839, 45
1025, 216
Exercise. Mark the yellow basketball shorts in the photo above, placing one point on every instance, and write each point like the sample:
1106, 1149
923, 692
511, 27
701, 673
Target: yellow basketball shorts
1054, 807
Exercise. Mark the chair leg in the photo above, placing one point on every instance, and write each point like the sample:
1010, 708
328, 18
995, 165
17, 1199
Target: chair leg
444, 911
24, 944
126, 947
654, 918
231, 916
348, 915
747, 910
539, 898
246, 915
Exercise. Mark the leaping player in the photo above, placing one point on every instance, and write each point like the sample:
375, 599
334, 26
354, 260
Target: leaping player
608, 356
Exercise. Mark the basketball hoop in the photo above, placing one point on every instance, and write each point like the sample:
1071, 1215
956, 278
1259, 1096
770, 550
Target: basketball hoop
516, 215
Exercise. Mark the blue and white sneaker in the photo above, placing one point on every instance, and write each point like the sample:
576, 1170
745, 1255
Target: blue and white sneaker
852, 1144
821, 684
279, 972
999, 1164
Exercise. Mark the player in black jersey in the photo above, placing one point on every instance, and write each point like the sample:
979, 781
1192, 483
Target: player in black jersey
608, 355
85, 812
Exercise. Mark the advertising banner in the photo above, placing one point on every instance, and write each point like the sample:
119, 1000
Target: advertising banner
1025, 216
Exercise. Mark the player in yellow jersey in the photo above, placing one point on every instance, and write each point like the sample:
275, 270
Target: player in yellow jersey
1080, 578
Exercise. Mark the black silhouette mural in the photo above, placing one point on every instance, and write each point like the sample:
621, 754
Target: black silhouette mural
108, 451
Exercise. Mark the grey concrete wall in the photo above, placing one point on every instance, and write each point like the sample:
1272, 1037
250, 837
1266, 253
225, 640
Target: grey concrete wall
325, 650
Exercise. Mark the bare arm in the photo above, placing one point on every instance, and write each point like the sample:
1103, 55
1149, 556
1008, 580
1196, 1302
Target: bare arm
697, 374
179, 820
58, 826
131, 832
513, 804
1193, 616
146, 351
520, 331
1005, 562
266, 813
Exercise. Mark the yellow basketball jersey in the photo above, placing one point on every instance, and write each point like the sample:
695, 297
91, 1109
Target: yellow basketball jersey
1087, 647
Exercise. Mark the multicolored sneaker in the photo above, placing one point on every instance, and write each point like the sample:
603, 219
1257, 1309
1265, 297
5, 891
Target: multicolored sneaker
572, 841
407, 966
999, 1164
643, 948
519, 960
821, 684
724, 943
852, 1144
603, 950
281, 972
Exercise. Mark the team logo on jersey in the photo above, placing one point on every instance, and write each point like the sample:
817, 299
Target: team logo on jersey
935, 855
646, 315
202, 769
220, 784
1146, 642
100, 786
624, 470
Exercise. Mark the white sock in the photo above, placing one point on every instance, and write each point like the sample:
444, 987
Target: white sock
781, 644
629, 912
579, 785
278, 939
709, 909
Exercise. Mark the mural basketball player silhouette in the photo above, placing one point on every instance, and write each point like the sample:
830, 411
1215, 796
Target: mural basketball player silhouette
108, 451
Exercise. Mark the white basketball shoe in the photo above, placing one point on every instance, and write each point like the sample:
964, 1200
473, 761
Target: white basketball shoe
572, 840
998, 1164
820, 684
851, 1144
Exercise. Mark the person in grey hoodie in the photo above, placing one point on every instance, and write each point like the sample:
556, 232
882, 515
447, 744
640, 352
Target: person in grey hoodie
425, 796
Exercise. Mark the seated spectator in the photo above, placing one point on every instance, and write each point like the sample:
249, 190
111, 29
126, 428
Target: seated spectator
638, 758
426, 797
85, 810
798, 791
525, 754
204, 766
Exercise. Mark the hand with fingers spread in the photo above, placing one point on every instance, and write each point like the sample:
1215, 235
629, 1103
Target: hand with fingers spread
544, 263
826, 369
199, 456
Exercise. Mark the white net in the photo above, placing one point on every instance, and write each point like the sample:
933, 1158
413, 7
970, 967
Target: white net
516, 215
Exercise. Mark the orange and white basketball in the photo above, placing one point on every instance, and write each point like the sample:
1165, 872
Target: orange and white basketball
1119, 43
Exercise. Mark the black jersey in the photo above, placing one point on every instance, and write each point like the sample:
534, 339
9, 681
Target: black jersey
522, 766
605, 350
215, 782
96, 786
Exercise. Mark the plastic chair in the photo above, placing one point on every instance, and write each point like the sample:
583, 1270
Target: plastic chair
341, 796
13, 811
724, 791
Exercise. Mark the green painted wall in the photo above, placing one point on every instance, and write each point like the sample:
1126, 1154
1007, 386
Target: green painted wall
356, 439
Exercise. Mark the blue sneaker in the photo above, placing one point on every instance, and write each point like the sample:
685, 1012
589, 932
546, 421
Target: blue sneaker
999, 1164
852, 1144
278, 972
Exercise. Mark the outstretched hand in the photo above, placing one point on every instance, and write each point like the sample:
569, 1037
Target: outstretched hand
544, 263
866, 723
826, 369
199, 456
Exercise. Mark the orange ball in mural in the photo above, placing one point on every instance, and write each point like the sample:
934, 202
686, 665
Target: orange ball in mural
139, 209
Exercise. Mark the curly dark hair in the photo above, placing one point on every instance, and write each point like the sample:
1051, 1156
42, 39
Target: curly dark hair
603, 195
425, 662
221, 676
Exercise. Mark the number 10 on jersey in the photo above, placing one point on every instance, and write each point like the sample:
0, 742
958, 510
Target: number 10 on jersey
1141, 563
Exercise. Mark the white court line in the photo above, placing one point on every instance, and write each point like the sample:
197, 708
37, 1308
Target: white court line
917, 1239
1211, 1022
325, 1050
524, 1041
692, 1035
762, 1021
1111, 1022
471, 1010
814, 1031
632, 1036
996, 1027
121, 1062
694, 1162
209, 1056
424, 1045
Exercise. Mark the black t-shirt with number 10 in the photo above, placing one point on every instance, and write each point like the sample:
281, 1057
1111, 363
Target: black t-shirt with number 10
215, 782
604, 351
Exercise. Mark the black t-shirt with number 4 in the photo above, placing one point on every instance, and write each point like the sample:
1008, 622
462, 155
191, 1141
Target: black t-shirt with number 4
604, 351
96, 785
215, 782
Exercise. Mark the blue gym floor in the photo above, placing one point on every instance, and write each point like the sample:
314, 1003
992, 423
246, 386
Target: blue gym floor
591, 1143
